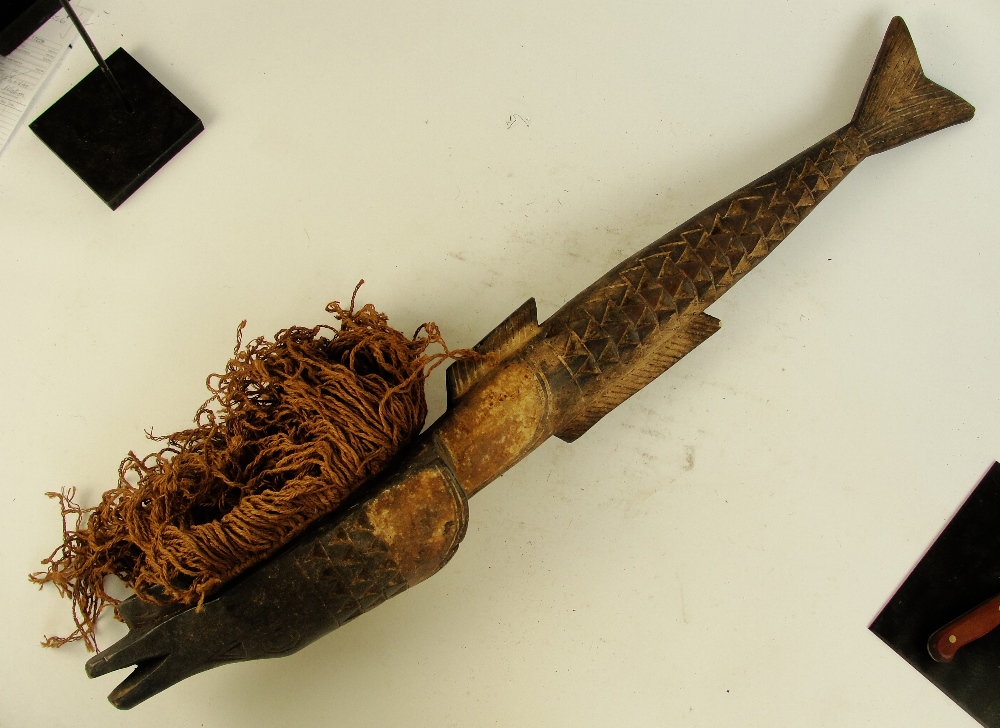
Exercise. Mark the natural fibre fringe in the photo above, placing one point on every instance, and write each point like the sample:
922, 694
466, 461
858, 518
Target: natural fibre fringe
292, 427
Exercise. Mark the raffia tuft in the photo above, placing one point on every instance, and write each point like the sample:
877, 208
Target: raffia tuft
292, 427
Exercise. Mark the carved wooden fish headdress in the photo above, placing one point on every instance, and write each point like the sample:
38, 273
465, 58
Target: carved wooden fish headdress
555, 378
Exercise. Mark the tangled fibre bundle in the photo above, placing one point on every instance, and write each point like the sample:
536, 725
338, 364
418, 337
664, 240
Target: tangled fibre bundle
292, 427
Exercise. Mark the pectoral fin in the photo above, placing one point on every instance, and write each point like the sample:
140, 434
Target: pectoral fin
659, 357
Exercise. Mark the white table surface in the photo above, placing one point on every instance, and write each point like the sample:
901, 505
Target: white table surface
712, 552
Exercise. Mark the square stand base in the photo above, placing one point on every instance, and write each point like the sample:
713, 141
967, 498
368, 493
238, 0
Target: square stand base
960, 571
110, 149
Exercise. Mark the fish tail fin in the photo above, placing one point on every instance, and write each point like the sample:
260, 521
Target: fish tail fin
899, 102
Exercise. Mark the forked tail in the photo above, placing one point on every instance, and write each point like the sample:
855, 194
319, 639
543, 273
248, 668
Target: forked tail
899, 102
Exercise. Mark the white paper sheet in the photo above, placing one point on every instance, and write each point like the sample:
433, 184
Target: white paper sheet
23, 72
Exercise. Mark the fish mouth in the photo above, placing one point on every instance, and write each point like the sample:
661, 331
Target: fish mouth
150, 676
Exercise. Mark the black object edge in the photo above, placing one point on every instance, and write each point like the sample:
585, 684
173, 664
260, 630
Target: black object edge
959, 571
18, 20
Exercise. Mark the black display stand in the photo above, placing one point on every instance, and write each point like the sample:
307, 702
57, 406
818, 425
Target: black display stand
959, 571
111, 149
116, 127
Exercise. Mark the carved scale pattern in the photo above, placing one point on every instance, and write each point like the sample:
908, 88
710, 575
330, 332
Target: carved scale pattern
689, 268
351, 569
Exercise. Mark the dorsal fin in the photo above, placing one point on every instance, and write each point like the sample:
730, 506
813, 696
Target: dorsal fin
507, 338
646, 368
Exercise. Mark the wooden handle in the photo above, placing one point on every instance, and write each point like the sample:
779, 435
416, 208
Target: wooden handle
972, 625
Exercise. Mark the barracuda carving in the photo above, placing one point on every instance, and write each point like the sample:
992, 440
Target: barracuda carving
555, 378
